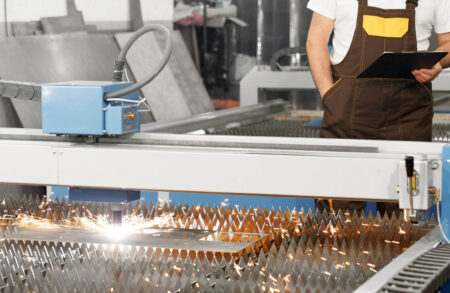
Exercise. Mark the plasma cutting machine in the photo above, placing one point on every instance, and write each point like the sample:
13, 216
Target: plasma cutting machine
93, 109
90, 142
293, 167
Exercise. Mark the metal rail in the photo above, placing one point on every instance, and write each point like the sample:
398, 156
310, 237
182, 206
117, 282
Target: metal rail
236, 116
426, 273
377, 282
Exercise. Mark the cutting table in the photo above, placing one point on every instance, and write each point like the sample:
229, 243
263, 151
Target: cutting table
104, 238
294, 167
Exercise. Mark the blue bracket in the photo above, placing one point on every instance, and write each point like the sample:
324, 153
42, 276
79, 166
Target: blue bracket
103, 195
445, 193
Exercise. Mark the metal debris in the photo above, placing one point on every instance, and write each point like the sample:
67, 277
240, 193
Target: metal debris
304, 251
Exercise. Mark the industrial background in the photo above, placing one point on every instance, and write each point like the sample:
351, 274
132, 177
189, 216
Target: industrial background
173, 146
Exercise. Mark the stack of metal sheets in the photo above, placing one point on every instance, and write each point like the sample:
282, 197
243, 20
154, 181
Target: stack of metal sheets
299, 251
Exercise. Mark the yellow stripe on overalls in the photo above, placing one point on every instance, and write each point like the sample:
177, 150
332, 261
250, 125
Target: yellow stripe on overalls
395, 27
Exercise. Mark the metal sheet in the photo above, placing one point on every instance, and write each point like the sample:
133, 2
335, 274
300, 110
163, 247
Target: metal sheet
178, 92
63, 24
155, 238
187, 76
54, 58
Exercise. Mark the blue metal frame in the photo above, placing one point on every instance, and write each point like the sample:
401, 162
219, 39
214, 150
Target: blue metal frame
445, 194
103, 195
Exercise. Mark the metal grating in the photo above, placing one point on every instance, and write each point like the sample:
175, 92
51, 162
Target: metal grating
282, 128
427, 273
297, 128
304, 251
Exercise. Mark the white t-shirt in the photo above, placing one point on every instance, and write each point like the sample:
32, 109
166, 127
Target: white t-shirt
429, 14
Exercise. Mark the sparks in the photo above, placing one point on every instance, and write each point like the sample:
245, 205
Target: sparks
178, 269
131, 223
238, 269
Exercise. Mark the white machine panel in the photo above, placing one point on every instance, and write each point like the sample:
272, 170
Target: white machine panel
175, 169
28, 164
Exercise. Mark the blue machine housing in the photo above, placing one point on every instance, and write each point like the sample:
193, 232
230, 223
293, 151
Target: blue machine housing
103, 195
79, 108
445, 194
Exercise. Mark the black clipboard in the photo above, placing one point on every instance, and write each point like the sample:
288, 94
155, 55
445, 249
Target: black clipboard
400, 65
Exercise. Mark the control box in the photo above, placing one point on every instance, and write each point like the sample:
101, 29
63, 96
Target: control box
79, 108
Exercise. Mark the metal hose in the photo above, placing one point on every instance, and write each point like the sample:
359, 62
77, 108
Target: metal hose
120, 62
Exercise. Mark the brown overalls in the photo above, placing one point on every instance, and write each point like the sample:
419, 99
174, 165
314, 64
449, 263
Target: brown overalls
389, 109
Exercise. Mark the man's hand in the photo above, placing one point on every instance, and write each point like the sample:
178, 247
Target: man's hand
428, 75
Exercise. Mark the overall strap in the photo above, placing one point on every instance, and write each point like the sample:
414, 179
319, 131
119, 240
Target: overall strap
412, 4
363, 3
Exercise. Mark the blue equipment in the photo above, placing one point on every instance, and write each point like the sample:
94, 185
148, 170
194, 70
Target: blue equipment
80, 108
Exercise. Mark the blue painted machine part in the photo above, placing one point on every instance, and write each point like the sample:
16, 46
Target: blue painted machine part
103, 195
79, 108
445, 194
314, 123
445, 288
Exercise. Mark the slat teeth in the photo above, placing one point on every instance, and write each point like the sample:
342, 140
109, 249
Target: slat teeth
305, 250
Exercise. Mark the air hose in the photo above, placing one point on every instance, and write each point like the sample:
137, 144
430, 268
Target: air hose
121, 59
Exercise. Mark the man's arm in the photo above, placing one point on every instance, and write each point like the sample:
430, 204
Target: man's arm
427, 75
317, 49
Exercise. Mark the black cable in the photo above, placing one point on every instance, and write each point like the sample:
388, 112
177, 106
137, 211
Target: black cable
121, 59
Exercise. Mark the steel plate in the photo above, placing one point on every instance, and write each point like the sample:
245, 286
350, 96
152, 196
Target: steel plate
156, 238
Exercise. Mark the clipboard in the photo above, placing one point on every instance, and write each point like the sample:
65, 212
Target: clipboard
400, 65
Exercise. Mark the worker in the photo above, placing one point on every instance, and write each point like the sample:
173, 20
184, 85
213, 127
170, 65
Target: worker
389, 109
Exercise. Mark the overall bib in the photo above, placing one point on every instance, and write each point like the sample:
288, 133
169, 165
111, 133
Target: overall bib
377, 108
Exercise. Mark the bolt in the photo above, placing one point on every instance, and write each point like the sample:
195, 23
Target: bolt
434, 165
